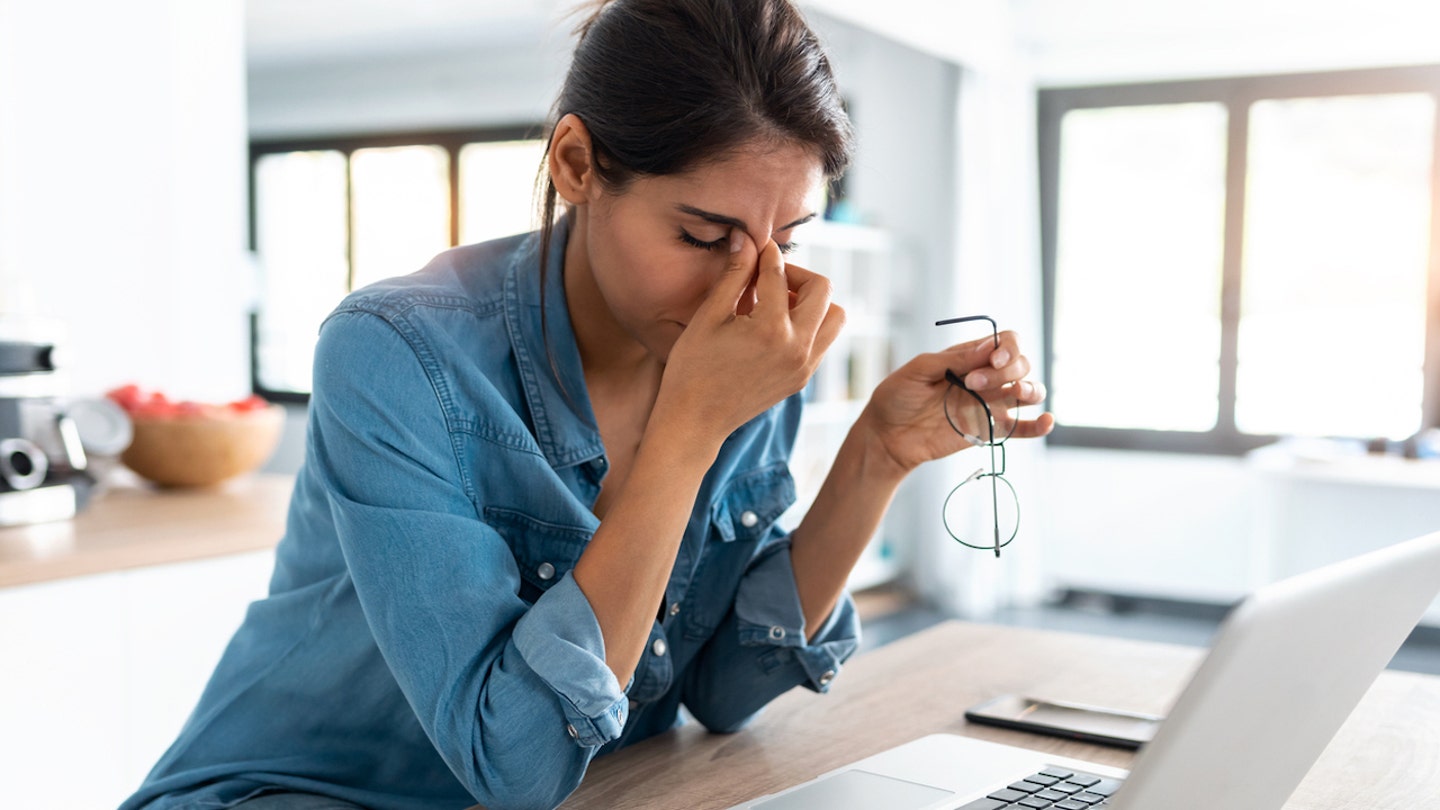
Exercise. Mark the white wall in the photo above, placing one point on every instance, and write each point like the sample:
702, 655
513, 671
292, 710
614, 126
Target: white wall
483, 85
1107, 41
122, 186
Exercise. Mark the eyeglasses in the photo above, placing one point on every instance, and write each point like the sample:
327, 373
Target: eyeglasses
988, 424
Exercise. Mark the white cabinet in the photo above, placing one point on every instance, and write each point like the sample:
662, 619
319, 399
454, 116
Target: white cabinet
1212, 529
862, 265
1313, 512
98, 673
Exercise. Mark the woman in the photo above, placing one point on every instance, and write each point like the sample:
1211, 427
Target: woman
536, 514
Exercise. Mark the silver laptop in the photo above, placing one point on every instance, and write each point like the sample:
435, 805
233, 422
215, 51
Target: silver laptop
1285, 670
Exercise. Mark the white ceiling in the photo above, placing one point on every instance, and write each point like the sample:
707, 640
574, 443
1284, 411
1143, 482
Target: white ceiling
290, 31
1058, 35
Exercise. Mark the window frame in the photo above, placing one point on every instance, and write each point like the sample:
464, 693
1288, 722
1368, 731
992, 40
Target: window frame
451, 140
1237, 94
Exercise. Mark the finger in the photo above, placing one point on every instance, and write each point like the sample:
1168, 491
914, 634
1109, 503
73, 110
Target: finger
725, 294
827, 332
812, 293
933, 365
771, 290
982, 378
746, 304
1007, 350
929, 369
1022, 394
972, 354
1030, 393
1034, 428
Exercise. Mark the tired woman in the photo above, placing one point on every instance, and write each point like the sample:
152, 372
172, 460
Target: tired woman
536, 515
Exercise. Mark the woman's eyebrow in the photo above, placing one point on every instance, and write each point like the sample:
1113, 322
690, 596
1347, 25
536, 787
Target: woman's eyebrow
721, 219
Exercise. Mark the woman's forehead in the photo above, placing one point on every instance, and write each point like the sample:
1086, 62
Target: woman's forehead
783, 180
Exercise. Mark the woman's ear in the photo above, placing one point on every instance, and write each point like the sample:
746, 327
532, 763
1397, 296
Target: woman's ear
572, 161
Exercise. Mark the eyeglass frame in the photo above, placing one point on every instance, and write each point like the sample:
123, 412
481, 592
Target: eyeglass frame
997, 473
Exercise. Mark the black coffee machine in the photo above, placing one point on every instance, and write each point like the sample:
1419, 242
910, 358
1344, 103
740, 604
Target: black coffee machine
43, 467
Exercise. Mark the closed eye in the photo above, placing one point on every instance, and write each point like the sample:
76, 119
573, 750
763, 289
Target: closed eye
693, 242
687, 238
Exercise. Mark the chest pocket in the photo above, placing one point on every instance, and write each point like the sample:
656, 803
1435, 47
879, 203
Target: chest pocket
544, 552
751, 503
740, 518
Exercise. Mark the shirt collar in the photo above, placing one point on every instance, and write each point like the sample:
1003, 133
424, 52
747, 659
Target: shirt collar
563, 419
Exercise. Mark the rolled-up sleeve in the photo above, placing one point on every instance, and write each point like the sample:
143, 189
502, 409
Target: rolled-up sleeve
563, 640
761, 649
515, 697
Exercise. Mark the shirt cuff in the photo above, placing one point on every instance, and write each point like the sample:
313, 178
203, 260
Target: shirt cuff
560, 640
768, 612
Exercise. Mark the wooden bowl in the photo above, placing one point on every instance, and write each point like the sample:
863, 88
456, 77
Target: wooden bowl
199, 450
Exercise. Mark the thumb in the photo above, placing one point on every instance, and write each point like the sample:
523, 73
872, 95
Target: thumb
725, 295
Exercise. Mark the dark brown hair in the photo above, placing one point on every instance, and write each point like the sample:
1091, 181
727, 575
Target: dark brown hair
664, 86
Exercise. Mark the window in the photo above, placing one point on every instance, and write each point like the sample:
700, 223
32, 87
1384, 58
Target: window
331, 216
1230, 261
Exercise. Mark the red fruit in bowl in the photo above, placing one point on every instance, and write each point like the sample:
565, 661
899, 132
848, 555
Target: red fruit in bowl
126, 396
139, 403
254, 402
188, 408
189, 443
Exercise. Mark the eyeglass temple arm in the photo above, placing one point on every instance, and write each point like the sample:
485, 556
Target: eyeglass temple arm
994, 329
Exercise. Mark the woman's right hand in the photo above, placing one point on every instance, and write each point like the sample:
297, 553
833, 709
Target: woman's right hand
735, 361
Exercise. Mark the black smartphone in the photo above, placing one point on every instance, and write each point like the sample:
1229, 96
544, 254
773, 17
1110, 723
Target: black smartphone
1070, 720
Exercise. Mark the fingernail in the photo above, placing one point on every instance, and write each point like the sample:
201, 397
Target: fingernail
1000, 357
976, 381
737, 240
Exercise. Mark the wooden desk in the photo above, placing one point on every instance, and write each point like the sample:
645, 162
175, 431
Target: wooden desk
1385, 758
129, 525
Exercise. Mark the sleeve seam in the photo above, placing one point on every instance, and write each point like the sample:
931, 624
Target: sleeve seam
416, 343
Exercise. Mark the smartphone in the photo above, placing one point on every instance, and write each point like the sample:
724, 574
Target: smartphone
1070, 720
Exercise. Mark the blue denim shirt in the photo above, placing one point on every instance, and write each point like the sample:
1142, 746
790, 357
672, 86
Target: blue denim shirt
424, 645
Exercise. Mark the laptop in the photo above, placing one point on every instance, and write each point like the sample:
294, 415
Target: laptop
1285, 670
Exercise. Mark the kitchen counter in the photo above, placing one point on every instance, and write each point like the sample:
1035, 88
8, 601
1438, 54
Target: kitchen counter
130, 525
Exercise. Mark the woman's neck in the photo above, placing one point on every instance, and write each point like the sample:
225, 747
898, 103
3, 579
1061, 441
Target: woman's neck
607, 351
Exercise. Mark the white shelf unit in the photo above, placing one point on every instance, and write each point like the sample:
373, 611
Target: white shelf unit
860, 263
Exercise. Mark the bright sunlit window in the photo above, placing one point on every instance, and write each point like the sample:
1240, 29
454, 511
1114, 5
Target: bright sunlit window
492, 177
334, 216
1141, 252
1337, 223
1232, 261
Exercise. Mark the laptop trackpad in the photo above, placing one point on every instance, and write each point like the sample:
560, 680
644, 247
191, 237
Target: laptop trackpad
857, 790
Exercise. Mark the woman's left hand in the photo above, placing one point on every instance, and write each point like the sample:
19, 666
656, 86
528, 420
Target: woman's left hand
906, 413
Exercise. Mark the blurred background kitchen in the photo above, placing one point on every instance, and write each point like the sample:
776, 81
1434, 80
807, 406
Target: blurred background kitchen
1212, 224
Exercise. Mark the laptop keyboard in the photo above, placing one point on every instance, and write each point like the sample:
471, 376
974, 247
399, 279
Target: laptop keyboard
1056, 788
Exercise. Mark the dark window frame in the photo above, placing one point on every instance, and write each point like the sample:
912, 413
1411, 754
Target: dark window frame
1237, 94
451, 140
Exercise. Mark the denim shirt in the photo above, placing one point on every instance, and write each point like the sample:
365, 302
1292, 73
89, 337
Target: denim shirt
424, 645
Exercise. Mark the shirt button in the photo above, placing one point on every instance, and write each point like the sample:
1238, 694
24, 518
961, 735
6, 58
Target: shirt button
658, 647
827, 677
570, 729
675, 609
545, 571
748, 519
777, 632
